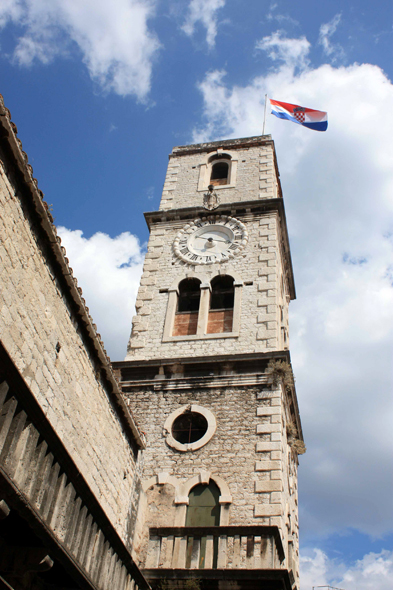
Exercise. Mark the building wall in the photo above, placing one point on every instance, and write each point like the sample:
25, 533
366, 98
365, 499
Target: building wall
260, 319
264, 303
249, 451
42, 336
256, 177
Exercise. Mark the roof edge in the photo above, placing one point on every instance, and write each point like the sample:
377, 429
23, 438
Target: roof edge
224, 143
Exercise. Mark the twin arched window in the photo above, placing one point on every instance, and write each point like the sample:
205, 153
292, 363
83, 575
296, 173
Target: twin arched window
213, 312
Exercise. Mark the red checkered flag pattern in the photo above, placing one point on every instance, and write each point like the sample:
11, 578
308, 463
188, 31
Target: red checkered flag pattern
304, 116
300, 116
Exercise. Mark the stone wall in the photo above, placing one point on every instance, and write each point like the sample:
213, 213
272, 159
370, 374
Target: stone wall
249, 451
263, 295
43, 336
256, 176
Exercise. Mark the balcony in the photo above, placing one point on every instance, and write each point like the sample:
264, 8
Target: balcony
217, 556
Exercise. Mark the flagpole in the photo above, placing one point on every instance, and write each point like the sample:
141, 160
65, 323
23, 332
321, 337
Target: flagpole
264, 116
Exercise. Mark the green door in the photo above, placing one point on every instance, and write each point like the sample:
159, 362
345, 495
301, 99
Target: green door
203, 510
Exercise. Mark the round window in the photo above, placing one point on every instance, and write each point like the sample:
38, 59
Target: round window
189, 427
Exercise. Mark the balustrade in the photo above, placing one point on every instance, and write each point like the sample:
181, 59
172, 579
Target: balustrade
215, 547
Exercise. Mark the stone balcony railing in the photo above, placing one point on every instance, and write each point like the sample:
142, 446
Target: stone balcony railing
215, 547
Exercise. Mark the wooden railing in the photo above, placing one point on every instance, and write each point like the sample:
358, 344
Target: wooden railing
226, 547
39, 479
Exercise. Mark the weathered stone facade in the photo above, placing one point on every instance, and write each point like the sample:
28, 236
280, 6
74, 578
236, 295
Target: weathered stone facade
69, 448
249, 450
256, 177
240, 376
263, 267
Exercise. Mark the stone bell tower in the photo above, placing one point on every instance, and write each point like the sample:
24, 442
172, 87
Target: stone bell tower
208, 373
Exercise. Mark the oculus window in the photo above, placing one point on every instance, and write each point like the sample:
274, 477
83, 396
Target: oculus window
189, 428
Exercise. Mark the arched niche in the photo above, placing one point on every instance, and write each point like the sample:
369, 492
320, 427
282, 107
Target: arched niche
225, 157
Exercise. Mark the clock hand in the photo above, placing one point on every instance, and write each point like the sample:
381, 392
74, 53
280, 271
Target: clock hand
218, 240
214, 239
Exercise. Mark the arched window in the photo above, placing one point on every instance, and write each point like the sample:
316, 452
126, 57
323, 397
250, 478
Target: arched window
186, 317
218, 168
221, 305
219, 173
203, 510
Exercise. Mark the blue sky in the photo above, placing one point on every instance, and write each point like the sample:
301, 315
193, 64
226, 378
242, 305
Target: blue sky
101, 93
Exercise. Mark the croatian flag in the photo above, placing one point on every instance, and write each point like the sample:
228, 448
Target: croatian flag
310, 118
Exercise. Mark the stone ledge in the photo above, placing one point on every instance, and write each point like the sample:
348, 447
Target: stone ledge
268, 410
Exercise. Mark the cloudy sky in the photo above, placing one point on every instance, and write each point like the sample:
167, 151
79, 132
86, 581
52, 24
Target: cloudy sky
101, 92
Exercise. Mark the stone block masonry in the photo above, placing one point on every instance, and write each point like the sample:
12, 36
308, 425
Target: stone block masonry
256, 175
249, 451
262, 269
259, 332
231, 453
179, 359
40, 331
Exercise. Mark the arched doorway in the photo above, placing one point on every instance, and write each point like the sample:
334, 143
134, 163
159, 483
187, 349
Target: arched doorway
203, 510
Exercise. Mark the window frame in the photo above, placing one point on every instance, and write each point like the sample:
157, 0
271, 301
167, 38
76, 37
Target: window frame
205, 169
203, 313
186, 447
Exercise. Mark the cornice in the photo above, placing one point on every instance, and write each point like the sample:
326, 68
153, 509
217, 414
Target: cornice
239, 143
253, 377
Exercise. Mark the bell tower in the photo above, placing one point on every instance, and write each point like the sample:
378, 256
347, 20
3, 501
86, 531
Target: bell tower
208, 373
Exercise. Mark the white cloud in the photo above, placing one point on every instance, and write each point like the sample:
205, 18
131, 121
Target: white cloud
203, 12
114, 39
293, 52
10, 10
326, 31
281, 18
373, 572
108, 270
337, 188
313, 569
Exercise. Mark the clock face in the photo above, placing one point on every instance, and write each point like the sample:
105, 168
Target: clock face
212, 239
